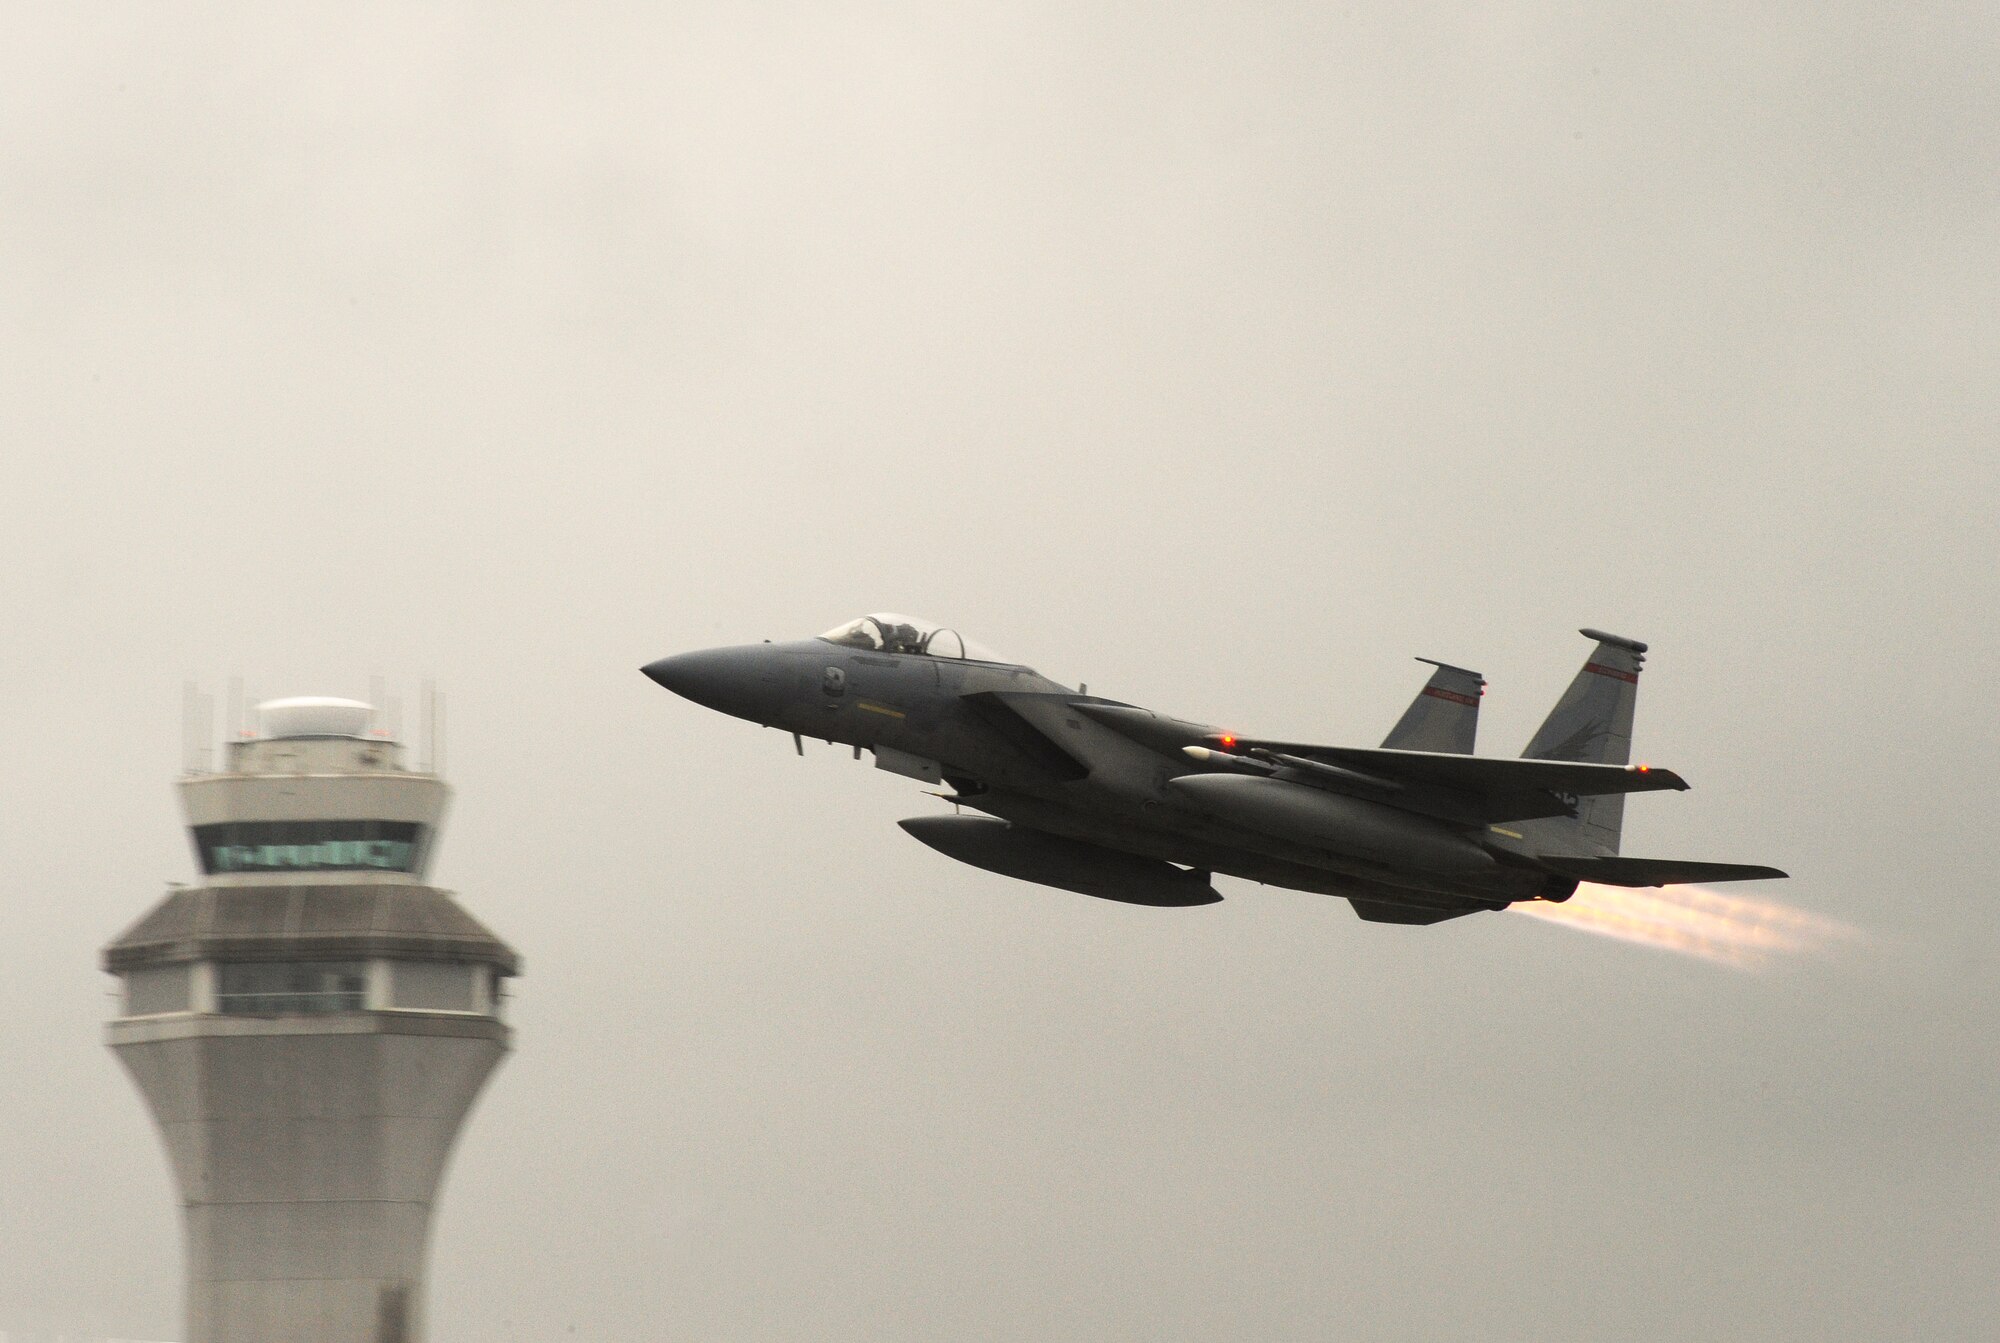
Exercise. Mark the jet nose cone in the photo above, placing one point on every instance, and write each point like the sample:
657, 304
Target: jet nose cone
702, 677
738, 681
674, 673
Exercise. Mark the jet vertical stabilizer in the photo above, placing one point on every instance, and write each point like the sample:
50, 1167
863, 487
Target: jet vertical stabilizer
1445, 714
1591, 724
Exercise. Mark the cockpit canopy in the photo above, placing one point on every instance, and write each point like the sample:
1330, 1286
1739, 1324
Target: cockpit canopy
887, 632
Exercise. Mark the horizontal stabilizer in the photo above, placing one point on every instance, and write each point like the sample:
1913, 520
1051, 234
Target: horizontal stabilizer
1653, 871
1375, 911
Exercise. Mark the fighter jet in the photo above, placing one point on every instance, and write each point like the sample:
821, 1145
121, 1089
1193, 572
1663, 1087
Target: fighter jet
1108, 799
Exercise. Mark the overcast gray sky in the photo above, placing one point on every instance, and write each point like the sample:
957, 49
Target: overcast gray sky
1223, 356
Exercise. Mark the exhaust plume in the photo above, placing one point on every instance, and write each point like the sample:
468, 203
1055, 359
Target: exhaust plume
1747, 932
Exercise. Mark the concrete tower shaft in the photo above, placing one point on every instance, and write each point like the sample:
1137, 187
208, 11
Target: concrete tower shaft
309, 1026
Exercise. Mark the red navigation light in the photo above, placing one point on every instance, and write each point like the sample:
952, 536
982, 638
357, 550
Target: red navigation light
1228, 740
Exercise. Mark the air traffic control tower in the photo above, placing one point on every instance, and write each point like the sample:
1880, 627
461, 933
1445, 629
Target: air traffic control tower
309, 1024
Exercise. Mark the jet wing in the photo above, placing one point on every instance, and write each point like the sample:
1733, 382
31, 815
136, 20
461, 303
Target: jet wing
1477, 790
1480, 789
1473, 773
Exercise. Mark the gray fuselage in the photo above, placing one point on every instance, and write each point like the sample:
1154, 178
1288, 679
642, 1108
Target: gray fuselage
1018, 746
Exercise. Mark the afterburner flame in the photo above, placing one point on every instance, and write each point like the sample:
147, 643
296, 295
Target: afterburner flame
1739, 930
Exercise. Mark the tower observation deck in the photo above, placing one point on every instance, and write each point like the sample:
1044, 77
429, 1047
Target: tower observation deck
309, 1025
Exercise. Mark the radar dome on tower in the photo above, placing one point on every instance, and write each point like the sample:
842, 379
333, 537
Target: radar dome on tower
314, 716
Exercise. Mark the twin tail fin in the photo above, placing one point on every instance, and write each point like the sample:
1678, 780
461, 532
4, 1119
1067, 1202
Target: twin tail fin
1591, 724
1444, 716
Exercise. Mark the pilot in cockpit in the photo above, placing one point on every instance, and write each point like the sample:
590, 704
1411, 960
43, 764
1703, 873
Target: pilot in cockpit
889, 633
901, 638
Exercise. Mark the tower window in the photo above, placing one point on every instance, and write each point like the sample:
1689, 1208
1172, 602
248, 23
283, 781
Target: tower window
435, 986
156, 989
283, 988
310, 846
